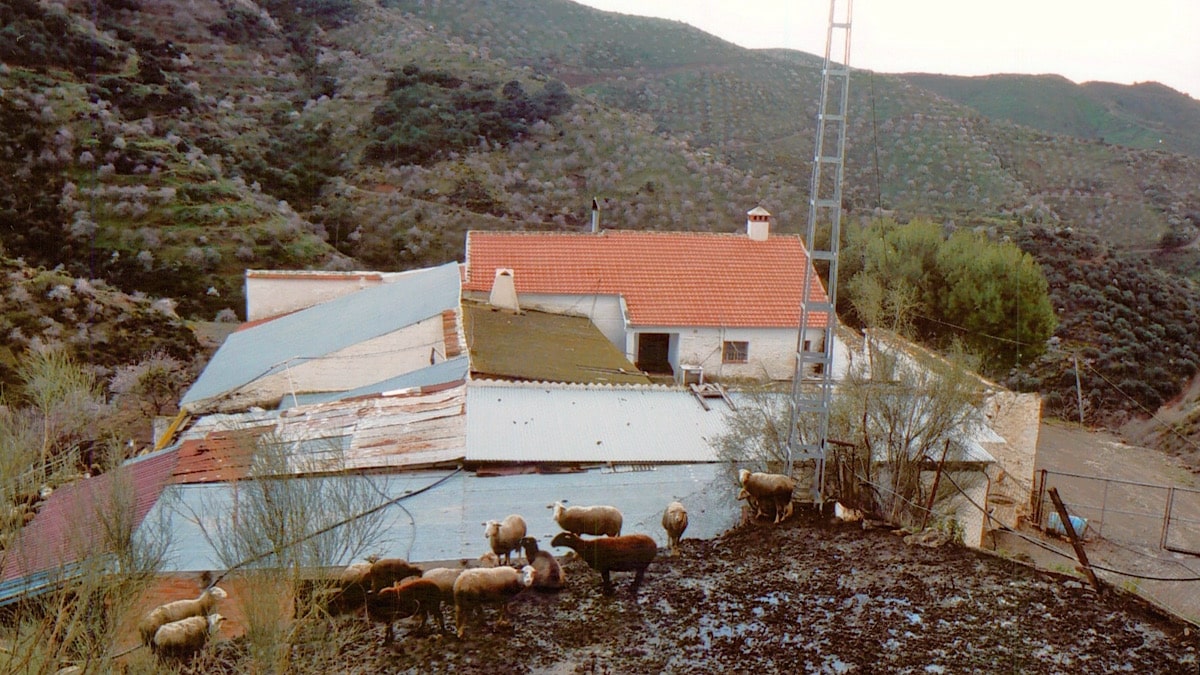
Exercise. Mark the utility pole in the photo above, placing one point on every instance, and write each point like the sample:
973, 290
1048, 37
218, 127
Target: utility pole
824, 206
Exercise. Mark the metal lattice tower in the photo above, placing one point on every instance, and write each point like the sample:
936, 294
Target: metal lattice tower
814, 363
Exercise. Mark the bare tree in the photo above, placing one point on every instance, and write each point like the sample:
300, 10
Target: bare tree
281, 529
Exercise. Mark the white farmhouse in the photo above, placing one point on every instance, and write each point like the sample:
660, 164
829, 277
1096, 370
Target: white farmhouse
720, 305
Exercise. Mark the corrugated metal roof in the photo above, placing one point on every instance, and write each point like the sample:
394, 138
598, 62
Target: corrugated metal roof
406, 429
69, 527
326, 328
451, 370
666, 278
446, 522
545, 422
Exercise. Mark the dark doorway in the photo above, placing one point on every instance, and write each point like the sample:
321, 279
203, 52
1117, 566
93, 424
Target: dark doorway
654, 351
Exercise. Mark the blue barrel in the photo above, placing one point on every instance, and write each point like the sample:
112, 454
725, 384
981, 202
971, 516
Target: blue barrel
1055, 525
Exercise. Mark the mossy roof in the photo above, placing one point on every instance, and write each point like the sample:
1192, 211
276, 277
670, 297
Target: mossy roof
533, 345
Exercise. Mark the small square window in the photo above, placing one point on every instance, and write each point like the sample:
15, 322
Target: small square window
735, 352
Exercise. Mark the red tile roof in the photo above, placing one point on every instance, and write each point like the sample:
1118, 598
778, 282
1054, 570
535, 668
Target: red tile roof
70, 525
666, 278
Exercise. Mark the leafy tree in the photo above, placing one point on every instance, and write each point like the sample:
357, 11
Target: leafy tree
914, 280
998, 295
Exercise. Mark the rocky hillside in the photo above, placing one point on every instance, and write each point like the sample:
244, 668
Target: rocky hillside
163, 147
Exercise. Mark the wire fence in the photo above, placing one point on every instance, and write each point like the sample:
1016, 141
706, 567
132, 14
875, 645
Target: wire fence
1157, 516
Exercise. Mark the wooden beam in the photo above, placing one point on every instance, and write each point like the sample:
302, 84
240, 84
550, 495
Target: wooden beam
1086, 567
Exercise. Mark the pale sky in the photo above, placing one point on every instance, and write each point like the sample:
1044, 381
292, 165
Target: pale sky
1123, 41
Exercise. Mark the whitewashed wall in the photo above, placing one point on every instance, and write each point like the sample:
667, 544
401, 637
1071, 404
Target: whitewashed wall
271, 294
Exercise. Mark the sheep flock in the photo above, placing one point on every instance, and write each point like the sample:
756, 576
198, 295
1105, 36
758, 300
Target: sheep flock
386, 590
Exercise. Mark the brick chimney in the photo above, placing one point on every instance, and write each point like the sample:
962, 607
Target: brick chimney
758, 223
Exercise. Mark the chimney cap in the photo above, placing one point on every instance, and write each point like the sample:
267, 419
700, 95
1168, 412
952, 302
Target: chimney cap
758, 211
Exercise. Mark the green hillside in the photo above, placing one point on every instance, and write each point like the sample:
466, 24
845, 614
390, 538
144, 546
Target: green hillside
164, 147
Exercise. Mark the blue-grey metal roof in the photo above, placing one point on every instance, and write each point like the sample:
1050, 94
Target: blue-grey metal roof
549, 422
267, 348
445, 522
450, 370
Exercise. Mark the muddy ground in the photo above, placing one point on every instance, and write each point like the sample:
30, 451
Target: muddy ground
804, 597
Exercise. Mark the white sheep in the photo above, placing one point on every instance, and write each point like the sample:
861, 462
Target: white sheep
444, 577
594, 520
759, 489
488, 585
185, 637
674, 521
177, 610
505, 536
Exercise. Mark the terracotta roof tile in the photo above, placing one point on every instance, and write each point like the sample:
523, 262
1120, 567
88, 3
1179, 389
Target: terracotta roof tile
666, 278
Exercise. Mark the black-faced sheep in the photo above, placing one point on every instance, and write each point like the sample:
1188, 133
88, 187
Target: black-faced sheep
179, 609
183, 638
627, 553
674, 521
760, 489
505, 536
385, 572
594, 520
488, 586
549, 575
410, 597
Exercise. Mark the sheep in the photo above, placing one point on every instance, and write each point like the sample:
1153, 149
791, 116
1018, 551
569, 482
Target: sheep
183, 638
761, 488
594, 520
386, 572
406, 598
488, 585
505, 536
177, 610
674, 521
444, 577
489, 559
349, 590
627, 553
550, 575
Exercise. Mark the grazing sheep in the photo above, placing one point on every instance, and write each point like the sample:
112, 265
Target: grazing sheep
386, 572
177, 610
183, 638
444, 577
761, 488
349, 591
505, 536
674, 521
488, 585
549, 574
594, 520
406, 598
489, 559
628, 553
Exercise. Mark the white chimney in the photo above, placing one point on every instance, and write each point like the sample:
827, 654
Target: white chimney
595, 215
758, 223
504, 291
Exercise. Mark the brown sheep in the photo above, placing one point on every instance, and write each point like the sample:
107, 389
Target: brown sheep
177, 610
183, 638
549, 574
760, 489
488, 585
349, 591
627, 553
406, 598
505, 536
674, 521
385, 572
594, 520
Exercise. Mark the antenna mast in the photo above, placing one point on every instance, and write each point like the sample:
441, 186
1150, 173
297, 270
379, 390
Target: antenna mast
815, 361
